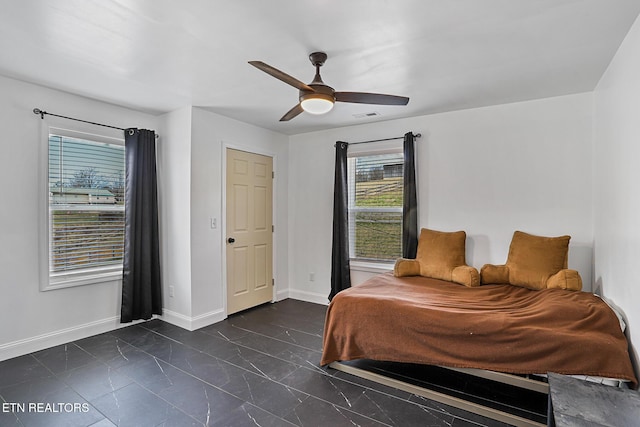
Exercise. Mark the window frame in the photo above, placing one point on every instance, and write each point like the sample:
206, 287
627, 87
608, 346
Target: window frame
88, 276
362, 150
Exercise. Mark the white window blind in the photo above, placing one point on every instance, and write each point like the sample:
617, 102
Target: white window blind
86, 205
375, 206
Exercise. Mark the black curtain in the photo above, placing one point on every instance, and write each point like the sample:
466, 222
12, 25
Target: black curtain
141, 286
410, 200
340, 270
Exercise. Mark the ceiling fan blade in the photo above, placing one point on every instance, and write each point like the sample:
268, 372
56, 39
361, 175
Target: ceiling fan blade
371, 98
292, 113
281, 75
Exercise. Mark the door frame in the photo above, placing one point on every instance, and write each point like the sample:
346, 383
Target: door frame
223, 215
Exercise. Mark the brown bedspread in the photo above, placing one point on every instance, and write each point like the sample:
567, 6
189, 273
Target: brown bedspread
501, 328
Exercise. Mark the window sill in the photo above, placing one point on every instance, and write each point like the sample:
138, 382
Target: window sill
60, 281
371, 266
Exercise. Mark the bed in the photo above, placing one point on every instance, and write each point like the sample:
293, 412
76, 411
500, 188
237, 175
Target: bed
495, 328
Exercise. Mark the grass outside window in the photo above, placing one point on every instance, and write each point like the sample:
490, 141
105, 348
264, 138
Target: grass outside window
375, 213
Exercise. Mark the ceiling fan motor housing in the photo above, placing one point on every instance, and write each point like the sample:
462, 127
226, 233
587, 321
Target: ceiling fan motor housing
320, 101
320, 91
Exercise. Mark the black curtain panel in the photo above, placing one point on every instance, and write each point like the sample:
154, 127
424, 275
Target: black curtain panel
340, 269
141, 286
410, 200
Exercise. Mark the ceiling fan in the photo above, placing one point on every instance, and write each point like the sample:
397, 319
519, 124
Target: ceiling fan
318, 98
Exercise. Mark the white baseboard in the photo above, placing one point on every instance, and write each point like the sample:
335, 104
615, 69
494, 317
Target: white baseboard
207, 319
192, 323
62, 336
281, 295
309, 296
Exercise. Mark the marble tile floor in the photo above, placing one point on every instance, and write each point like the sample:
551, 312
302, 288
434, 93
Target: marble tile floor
256, 368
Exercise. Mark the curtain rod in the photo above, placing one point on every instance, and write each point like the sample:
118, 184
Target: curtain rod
43, 113
380, 140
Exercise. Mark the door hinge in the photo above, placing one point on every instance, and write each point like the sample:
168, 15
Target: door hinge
273, 282
273, 174
273, 228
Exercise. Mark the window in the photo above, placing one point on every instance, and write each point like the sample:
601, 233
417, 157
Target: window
375, 206
85, 217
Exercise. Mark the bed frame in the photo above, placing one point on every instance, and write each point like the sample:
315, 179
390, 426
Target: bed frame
495, 414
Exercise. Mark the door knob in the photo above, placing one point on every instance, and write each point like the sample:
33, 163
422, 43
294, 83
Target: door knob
231, 240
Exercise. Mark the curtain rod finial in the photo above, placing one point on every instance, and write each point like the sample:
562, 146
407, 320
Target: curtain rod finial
39, 111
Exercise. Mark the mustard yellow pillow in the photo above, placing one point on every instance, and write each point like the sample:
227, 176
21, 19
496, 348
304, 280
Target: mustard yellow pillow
406, 267
532, 260
494, 274
565, 279
441, 255
440, 252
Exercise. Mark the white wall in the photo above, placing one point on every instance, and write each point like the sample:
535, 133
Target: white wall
174, 200
190, 192
211, 134
617, 181
190, 168
489, 171
31, 319
192, 164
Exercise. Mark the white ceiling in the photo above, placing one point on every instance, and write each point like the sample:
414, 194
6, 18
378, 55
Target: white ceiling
160, 55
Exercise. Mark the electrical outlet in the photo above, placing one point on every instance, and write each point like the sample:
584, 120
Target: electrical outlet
312, 277
171, 291
214, 223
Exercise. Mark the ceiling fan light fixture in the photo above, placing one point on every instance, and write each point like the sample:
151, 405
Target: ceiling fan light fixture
317, 103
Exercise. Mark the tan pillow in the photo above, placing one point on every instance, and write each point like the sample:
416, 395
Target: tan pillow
466, 275
440, 252
565, 279
406, 267
532, 260
494, 274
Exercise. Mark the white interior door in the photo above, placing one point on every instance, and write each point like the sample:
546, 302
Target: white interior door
249, 230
